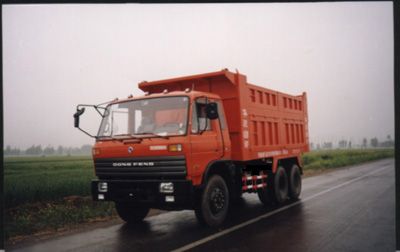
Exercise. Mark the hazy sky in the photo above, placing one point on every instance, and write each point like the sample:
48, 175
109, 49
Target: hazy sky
56, 56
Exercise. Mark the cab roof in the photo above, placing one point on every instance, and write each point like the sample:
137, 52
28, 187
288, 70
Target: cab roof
191, 94
147, 85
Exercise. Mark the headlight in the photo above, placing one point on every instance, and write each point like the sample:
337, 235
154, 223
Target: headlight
167, 187
102, 186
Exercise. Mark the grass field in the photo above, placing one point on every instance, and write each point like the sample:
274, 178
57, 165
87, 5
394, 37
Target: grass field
38, 179
36, 189
322, 160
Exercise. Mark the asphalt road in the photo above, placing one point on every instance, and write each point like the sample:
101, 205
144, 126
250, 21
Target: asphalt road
352, 209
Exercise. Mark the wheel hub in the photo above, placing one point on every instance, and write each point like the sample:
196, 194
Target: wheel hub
217, 200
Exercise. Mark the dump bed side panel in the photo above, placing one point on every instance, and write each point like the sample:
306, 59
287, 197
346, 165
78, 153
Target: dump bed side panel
276, 123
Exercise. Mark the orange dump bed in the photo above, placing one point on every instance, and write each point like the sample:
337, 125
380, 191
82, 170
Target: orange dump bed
262, 122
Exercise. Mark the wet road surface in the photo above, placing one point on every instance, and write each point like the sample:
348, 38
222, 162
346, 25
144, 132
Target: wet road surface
352, 209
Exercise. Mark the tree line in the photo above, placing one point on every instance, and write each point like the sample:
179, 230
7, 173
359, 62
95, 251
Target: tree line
38, 150
366, 143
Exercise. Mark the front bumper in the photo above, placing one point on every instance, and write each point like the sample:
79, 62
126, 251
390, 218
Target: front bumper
146, 193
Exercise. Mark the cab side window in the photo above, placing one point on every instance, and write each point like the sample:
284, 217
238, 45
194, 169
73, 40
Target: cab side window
221, 115
199, 117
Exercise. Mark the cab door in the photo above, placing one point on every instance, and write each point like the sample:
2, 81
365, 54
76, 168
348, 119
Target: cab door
204, 138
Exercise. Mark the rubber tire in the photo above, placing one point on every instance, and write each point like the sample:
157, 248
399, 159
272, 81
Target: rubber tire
131, 214
281, 187
277, 189
266, 194
203, 210
294, 182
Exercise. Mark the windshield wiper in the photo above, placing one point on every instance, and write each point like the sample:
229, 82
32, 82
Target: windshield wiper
106, 138
129, 135
118, 137
152, 134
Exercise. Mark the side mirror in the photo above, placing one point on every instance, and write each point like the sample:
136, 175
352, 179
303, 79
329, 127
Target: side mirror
78, 113
212, 110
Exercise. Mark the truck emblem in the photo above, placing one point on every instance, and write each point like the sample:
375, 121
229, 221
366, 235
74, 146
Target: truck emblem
130, 164
142, 163
130, 149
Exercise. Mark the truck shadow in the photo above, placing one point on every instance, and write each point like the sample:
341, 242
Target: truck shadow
136, 230
249, 207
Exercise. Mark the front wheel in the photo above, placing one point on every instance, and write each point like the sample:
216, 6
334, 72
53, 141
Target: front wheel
214, 202
131, 214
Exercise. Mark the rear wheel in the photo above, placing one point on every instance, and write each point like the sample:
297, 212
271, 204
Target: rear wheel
265, 194
280, 185
294, 182
277, 188
131, 214
213, 204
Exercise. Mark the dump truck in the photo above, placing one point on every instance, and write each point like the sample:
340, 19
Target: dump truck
198, 142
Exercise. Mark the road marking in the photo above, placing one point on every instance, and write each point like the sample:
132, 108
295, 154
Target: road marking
246, 223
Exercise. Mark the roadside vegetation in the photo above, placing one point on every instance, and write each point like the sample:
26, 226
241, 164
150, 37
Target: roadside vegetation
39, 179
48, 194
317, 161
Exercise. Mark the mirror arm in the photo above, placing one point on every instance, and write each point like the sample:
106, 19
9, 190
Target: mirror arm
98, 111
87, 133
96, 107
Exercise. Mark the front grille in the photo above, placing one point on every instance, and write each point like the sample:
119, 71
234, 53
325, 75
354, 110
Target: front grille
170, 167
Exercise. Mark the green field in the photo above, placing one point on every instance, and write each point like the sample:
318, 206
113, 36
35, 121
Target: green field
38, 179
36, 188
322, 160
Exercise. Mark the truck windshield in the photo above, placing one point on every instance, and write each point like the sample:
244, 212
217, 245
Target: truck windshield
166, 116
